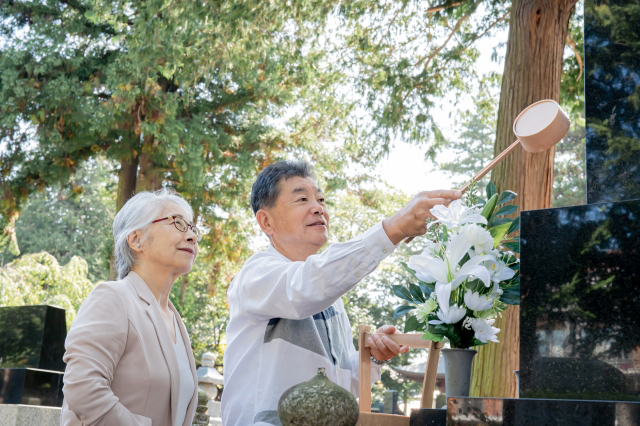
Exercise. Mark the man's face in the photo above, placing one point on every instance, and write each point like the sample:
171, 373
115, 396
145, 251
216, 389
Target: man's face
300, 216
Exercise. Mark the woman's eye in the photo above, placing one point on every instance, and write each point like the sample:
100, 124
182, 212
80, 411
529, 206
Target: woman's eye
321, 200
303, 199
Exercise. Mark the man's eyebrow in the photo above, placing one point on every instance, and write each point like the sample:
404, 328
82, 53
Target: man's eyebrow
303, 189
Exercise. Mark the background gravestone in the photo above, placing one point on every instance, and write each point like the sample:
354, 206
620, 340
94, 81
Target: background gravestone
31, 350
32, 336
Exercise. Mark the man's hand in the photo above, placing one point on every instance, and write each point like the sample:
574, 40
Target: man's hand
411, 220
382, 347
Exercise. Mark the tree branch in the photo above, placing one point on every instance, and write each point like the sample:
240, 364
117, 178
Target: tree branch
502, 18
572, 43
435, 52
444, 6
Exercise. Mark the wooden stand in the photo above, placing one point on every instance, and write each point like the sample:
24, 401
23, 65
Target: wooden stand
367, 418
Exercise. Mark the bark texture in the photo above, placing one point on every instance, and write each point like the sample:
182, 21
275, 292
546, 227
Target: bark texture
533, 70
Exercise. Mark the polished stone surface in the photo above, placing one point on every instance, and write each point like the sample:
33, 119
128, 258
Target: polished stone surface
428, 417
32, 336
612, 96
537, 412
31, 386
22, 415
580, 298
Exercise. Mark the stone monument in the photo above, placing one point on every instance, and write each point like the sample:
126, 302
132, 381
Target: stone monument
31, 350
580, 266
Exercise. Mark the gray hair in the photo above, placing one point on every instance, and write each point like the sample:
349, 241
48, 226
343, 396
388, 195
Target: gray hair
266, 188
137, 214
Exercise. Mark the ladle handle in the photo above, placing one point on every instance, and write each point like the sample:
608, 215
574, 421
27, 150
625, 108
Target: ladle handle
491, 165
483, 172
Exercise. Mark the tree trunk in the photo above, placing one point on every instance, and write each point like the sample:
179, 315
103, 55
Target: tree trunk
127, 178
150, 177
183, 288
532, 72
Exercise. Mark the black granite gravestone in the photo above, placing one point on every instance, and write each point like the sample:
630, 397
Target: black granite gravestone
579, 331
31, 350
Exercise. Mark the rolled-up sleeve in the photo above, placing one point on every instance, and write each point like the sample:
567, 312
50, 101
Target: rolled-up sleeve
94, 346
273, 286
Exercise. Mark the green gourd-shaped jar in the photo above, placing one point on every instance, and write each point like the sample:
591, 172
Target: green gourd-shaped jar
318, 402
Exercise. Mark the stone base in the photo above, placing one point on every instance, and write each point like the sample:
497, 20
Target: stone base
428, 417
541, 412
213, 408
215, 421
23, 415
31, 386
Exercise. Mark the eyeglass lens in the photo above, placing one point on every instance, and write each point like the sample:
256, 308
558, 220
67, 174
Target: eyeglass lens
183, 226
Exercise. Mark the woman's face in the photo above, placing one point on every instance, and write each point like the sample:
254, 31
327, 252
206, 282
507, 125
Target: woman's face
168, 248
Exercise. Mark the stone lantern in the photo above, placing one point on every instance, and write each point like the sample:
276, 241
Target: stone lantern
208, 380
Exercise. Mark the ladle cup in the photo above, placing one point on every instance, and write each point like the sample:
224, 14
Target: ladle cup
538, 127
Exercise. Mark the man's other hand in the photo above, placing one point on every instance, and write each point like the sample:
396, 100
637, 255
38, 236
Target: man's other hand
382, 347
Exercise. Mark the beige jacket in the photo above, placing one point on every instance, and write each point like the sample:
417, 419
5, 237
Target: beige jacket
121, 365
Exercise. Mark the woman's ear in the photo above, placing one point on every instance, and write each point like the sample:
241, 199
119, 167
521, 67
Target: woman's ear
135, 241
264, 220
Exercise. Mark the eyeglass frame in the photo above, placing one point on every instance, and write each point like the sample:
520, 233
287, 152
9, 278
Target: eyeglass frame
195, 230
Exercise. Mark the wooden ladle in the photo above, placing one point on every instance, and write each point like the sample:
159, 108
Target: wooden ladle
538, 127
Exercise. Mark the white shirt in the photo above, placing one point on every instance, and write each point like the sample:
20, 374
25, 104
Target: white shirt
287, 319
186, 377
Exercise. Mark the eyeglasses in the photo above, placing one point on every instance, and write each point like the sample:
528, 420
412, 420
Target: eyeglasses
182, 225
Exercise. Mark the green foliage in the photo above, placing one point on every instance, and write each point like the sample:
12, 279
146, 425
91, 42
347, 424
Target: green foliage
197, 99
72, 220
36, 279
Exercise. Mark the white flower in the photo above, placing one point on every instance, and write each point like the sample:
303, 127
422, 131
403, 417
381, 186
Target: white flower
454, 314
467, 322
417, 263
477, 302
446, 270
496, 292
500, 272
479, 238
484, 331
455, 215
423, 311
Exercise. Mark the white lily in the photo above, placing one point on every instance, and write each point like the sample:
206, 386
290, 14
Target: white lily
499, 271
480, 238
447, 273
417, 263
477, 302
455, 215
484, 331
454, 314
496, 292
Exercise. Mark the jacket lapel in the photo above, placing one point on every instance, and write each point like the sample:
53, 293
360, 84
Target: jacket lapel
162, 333
187, 344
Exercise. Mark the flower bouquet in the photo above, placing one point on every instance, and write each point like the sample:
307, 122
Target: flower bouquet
467, 273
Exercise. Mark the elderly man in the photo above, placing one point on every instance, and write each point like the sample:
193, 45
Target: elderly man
287, 316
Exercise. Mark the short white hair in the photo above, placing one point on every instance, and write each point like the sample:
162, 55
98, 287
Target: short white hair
137, 214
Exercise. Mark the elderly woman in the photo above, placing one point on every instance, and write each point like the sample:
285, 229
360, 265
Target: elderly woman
128, 355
